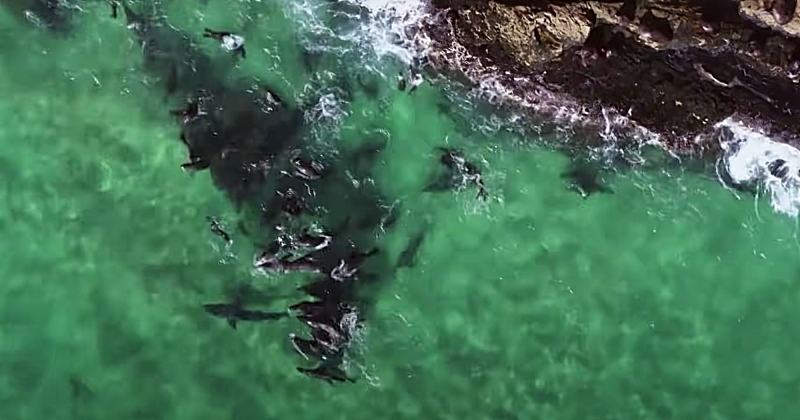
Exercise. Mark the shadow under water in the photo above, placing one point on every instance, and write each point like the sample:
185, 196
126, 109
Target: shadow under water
54, 15
249, 137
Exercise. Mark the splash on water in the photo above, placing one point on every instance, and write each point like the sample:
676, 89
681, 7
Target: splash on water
754, 161
394, 28
399, 30
402, 29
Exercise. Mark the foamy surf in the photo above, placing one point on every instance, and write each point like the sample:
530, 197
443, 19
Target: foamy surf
393, 28
752, 160
399, 30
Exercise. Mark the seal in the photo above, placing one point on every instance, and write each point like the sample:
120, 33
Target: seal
465, 172
302, 264
304, 169
348, 267
416, 79
401, 82
217, 229
228, 41
114, 8
309, 349
328, 372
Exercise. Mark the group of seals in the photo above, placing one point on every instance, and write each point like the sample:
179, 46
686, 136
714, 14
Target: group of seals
460, 173
331, 316
239, 138
334, 262
248, 137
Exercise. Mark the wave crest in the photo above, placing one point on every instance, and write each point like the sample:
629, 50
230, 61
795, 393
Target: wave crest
755, 162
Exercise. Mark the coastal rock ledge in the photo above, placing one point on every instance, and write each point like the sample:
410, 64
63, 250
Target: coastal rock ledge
672, 67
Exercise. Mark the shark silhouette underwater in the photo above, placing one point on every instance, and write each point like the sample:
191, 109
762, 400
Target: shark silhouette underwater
234, 312
584, 179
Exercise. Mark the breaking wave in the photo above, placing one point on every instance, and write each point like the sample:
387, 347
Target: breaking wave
388, 34
750, 160
757, 163
403, 29
394, 28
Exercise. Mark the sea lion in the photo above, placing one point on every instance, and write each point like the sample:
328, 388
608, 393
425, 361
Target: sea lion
416, 80
408, 255
304, 264
308, 170
308, 348
114, 8
465, 171
347, 267
189, 112
216, 228
228, 41
327, 372
292, 203
401, 82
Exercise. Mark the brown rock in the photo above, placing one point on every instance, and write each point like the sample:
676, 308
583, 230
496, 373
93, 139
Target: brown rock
678, 66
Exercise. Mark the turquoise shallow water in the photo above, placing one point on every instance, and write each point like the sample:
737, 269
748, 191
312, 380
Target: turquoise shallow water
669, 299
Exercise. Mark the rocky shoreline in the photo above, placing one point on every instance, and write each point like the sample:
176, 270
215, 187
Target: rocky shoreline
672, 68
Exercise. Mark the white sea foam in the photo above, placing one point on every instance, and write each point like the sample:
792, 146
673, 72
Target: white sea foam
398, 28
393, 27
747, 157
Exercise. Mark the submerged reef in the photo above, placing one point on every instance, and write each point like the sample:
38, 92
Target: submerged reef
673, 68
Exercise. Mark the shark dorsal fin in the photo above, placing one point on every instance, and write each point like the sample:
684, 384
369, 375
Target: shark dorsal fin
232, 322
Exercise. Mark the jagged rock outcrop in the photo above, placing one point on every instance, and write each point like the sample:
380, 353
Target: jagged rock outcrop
674, 67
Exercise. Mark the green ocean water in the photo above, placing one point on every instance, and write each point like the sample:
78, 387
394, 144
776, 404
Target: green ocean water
669, 299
